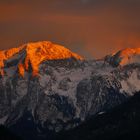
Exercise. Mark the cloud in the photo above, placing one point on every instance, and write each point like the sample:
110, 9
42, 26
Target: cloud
92, 28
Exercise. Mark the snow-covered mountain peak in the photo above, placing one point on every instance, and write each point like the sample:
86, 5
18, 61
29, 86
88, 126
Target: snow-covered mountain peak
34, 54
66, 91
124, 57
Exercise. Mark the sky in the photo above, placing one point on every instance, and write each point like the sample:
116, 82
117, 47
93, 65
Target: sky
91, 28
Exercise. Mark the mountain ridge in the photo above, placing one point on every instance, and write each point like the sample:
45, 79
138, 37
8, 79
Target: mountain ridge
36, 53
124, 57
65, 93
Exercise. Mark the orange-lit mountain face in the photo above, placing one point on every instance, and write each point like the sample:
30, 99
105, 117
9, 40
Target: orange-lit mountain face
29, 56
34, 54
129, 55
125, 56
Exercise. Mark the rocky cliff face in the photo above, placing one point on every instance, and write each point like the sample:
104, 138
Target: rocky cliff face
64, 92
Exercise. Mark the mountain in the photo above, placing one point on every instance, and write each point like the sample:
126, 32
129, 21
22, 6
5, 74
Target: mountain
124, 57
121, 122
35, 54
45, 88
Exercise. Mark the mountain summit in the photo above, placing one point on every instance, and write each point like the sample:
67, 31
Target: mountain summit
34, 54
66, 90
124, 57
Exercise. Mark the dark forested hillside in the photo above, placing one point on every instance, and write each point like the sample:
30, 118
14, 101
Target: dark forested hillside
122, 122
5, 134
